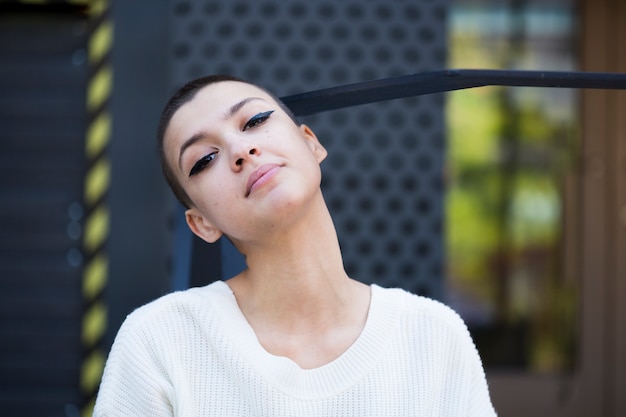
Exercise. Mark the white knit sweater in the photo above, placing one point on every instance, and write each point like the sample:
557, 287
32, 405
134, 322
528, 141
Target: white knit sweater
193, 353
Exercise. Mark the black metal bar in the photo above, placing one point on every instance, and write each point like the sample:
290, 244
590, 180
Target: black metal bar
441, 81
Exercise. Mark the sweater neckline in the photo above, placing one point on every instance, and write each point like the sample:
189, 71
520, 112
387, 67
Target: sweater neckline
286, 375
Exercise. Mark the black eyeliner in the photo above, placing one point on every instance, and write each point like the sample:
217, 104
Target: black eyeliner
258, 119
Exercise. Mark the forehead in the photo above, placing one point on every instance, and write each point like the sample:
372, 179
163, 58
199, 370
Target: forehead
212, 101
220, 96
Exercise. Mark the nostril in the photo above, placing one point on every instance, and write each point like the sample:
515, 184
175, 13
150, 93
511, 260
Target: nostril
252, 151
239, 161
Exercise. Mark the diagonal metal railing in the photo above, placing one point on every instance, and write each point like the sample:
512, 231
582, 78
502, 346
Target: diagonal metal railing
441, 81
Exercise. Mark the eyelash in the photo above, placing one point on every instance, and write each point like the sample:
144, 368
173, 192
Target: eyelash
256, 120
202, 163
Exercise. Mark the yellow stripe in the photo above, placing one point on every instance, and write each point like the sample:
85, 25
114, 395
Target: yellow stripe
100, 88
100, 42
98, 134
96, 228
88, 410
97, 7
97, 181
94, 324
95, 276
76, 2
91, 371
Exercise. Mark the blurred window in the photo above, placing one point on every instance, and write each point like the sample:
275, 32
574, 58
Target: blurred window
511, 154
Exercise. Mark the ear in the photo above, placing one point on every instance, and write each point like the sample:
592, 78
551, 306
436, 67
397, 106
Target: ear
316, 147
201, 227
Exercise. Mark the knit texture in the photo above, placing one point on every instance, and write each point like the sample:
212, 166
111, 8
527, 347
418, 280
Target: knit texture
193, 353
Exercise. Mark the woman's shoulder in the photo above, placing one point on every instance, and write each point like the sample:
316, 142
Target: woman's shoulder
417, 307
175, 305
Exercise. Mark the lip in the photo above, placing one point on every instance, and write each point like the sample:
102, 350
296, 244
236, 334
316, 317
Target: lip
260, 176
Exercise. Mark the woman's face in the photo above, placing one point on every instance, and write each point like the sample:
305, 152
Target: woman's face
247, 167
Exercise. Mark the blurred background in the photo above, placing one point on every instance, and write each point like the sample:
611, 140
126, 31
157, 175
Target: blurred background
508, 204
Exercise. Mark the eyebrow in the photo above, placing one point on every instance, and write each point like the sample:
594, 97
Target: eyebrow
199, 136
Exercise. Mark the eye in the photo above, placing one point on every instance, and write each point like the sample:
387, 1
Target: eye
202, 163
257, 119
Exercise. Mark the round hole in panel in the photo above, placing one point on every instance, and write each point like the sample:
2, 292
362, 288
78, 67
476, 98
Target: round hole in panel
196, 28
239, 51
368, 73
298, 10
310, 74
311, 32
409, 183
394, 205
325, 52
253, 72
366, 204
337, 161
325, 11
225, 29
212, 8
340, 32
380, 183
269, 10
296, 52
366, 160
351, 182
408, 226
383, 12
412, 13
354, 11
241, 9
351, 225
379, 226
364, 248
339, 119
409, 140
369, 33
254, 30
340, 74
336, 204
354, 53
411, 54
426, 34
393, 248
268, 51
397, 34
282, 72
351, 139
181, 51
283, 32
182, 8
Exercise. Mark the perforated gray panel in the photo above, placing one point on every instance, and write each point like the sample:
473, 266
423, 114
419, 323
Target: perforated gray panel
382, 179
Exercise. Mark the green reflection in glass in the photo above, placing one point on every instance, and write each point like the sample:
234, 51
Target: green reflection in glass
509, 153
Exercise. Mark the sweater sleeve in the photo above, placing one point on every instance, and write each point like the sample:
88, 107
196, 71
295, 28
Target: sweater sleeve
467, 391
480, 402
134, 383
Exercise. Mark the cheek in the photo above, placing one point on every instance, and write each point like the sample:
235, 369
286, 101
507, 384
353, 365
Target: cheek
214, 196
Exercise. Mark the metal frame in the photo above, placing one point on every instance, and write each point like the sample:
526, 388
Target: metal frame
442, 81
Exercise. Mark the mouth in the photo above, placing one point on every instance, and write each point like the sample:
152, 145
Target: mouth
260, 176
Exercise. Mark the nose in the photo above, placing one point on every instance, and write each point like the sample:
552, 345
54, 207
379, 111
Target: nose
241, 151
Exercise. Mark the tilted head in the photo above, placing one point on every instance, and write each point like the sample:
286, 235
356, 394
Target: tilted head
182, 96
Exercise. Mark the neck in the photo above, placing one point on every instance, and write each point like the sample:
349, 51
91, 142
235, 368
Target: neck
296, 274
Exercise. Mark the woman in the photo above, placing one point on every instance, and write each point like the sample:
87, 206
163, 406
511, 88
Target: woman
292, 334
